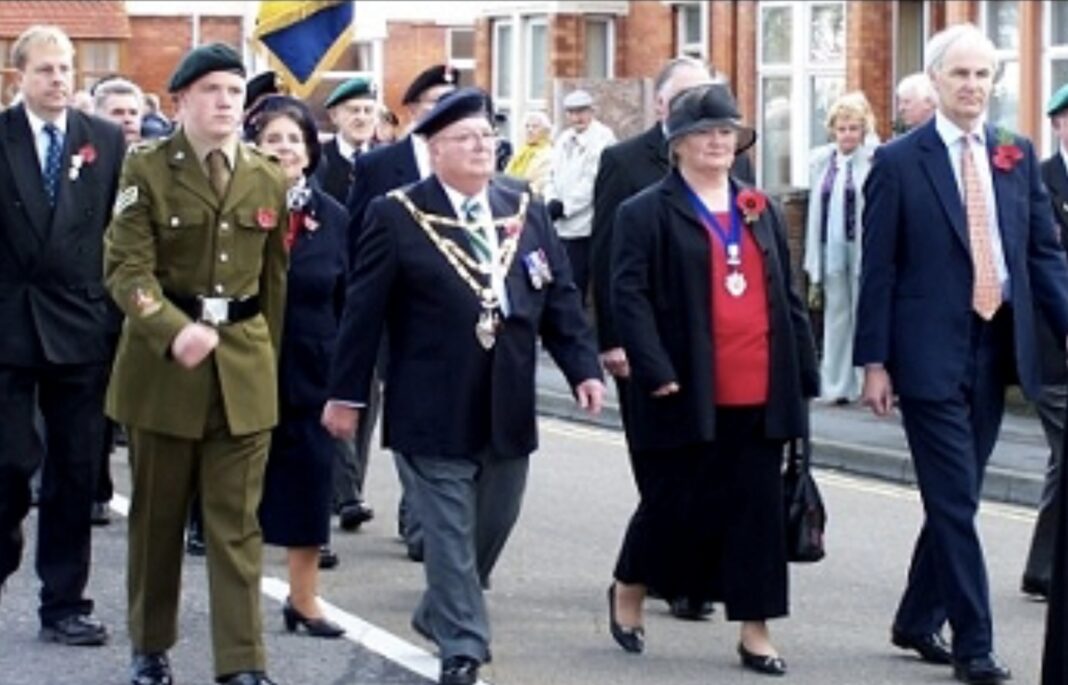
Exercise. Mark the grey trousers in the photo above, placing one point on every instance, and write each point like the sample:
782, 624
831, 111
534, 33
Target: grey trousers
468, 508
350, 467
1051, 410
411, 530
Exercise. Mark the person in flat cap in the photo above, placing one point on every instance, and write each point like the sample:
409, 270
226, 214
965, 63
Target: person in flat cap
714, 391
1053, 397
376, 173
569, 193
195, 257
353, 108
476, 267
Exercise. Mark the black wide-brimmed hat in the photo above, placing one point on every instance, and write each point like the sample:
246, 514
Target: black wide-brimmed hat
703, 108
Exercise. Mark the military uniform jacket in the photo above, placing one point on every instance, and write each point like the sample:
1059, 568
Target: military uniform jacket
170, 234
446, 396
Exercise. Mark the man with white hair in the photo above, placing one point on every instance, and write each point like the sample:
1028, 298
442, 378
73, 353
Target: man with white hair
959, 248
916, 101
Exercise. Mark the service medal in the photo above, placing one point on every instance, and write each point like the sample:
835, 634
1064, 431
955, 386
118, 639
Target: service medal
735, 283
486, 329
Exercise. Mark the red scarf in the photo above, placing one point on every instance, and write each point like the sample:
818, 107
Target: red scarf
296, 222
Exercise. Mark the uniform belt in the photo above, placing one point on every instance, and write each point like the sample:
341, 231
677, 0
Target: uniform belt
216, 311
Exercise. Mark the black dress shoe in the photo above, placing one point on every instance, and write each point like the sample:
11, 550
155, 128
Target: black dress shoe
352, 515
1035, 587
101, 514
328, 558
690, 609
761, 663
459, 670
931, 647
150, 669
246, 678
983, 670
316, 627
630, 639
75, 630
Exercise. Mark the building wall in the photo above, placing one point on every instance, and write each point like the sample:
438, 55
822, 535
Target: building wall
645, 39
410, 48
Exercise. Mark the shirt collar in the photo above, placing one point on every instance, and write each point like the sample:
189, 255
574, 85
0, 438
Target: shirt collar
346, 150
202, 148
37, 123
951, 134
457, 199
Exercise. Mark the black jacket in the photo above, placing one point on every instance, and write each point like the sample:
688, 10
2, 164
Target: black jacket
52, 297
335, 173
375, 174
662, 307
1054, 369
445, 395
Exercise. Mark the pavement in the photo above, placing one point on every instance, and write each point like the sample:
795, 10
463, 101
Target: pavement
850, 439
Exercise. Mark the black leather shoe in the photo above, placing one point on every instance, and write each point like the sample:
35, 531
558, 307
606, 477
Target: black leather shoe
75, 630
315, 627
761, 663
630, 639
150, 669
932, 647
459, 670
352, 515
246, 678
690, 609
328, 558
1035, 587
983, 670
101, 514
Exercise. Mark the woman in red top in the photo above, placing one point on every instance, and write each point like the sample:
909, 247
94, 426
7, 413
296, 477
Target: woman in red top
722, 363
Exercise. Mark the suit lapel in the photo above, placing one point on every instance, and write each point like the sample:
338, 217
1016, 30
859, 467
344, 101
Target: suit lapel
657, 146
66, 202
187, 169
242, 181
934, 159
1004, 186
26, 168
763, 232
679, 200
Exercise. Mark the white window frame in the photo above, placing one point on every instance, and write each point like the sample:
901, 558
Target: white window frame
1004, 55
500, 100
700, 48
1050, 53
800, 71
529, 24
610, 42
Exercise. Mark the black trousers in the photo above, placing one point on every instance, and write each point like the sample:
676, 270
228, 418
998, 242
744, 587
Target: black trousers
578, 253
709, 525
71, 400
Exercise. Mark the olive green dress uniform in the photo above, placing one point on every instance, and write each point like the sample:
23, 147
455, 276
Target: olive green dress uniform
172, 236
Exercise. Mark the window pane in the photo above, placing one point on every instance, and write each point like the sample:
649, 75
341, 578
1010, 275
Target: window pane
98, 57
1005, 100
777, 29
597, 49
1059, 23
503, 64
828, 33
691, 24
775, 133
1003, 23
824, 90
1058, 74
539, 61
461, 44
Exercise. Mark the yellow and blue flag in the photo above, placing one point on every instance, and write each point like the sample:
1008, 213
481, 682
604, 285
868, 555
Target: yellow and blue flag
304, 38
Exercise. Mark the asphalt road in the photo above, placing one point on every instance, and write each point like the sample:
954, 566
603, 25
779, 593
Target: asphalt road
547, 604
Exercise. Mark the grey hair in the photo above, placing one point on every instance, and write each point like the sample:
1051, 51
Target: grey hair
942, 41
36, 35
540, 118
669, 69
917, 84
116, 86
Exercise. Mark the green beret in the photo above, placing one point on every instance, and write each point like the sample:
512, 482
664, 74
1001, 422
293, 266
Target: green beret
1058, 102
204, 60
358, 87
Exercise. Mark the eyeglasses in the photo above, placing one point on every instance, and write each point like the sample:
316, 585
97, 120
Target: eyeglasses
468, 138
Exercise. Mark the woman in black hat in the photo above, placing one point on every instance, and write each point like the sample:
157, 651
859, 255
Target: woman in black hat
721, 364
295, 511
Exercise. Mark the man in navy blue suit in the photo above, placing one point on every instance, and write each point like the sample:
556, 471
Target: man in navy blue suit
959, 248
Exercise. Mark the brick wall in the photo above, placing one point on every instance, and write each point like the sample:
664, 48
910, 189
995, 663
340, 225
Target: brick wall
411, 48
869, 58
644, 39
484, 54
567, 41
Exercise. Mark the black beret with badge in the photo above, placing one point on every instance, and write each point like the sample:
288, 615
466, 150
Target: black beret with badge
203, 60
1059, 102
437, 75
358, 87
265, 83
457, 105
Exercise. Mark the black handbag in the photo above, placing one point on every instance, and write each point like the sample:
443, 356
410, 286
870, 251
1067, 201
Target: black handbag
806, 517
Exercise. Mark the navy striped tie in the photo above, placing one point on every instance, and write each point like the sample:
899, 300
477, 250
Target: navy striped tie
53, 164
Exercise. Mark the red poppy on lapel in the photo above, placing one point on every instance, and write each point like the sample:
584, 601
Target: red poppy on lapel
512, 227
752, 204
266, 218
1006, 157
88, 153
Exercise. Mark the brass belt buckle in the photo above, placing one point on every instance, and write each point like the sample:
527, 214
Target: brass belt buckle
215, 311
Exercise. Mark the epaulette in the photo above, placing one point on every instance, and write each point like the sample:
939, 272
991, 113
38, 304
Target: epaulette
143, 146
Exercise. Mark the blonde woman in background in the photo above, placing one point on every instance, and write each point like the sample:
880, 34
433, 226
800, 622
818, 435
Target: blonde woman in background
833, 238
533, 161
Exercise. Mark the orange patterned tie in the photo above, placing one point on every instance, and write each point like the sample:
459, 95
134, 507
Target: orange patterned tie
986, 295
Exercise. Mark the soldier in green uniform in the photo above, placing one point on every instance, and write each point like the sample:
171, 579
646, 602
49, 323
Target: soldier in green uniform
195, 258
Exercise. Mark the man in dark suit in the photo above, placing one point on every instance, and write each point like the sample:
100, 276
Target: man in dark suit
477, 269
58, 173
353, 110
625, 169
959, 248
1052, 400
375, 174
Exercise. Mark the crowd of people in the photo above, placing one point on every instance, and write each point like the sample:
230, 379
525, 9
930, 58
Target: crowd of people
243, 295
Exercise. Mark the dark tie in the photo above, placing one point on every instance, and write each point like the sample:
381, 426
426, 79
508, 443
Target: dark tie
53, 163
218, 172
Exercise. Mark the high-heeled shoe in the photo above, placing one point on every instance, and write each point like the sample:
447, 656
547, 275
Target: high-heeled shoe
630, 639
315, 627
761, 663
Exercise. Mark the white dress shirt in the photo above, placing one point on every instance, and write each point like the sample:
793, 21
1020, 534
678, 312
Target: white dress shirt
40, 138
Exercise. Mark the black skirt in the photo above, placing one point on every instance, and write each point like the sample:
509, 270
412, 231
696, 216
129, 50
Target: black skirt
709, 525
295, 511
